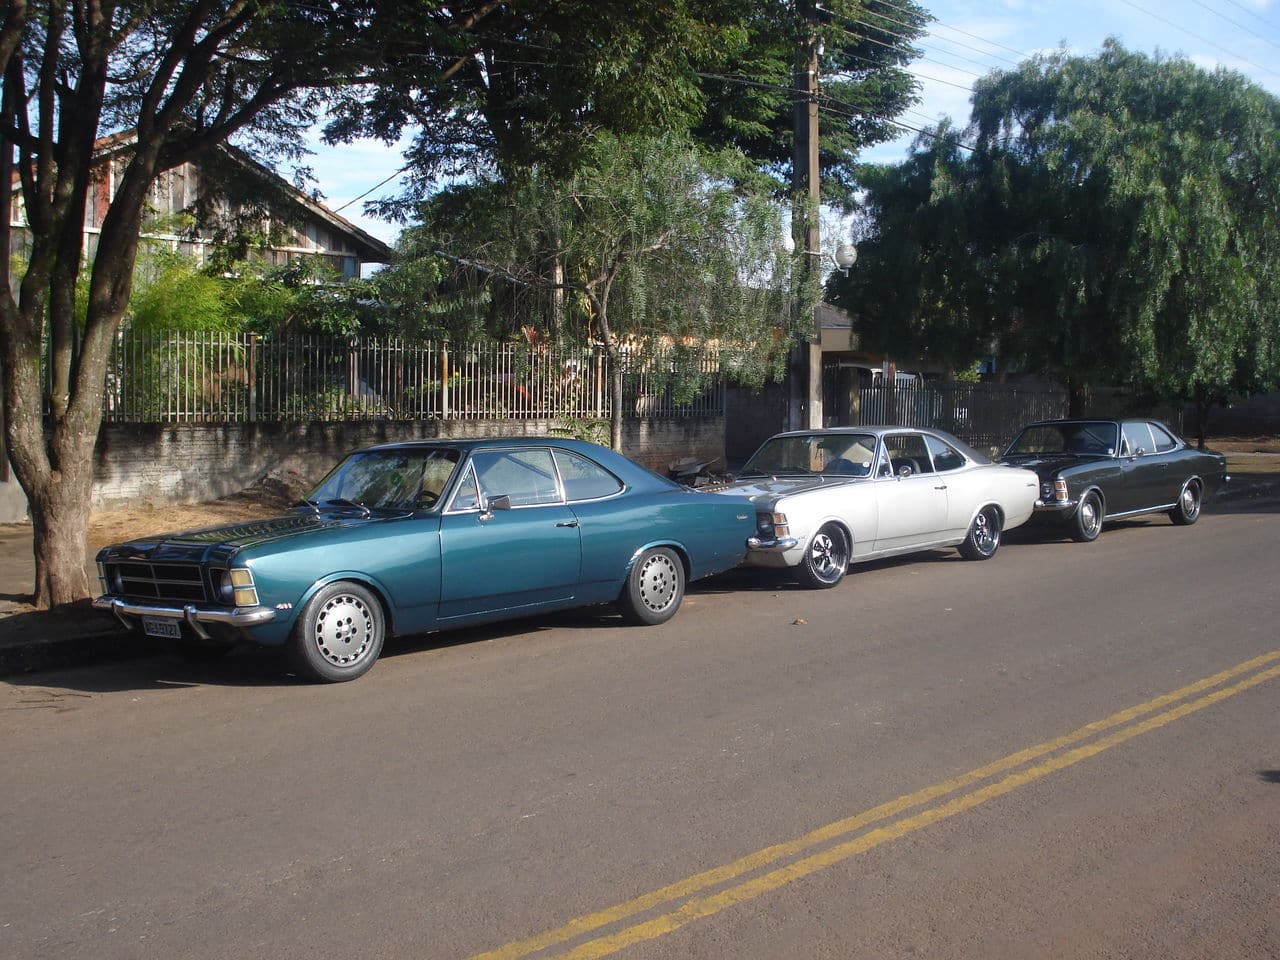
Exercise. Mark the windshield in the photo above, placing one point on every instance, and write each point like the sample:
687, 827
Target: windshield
388, 479
1076, 437
838, 454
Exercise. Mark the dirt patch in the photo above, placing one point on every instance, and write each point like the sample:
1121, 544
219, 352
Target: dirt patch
268, 497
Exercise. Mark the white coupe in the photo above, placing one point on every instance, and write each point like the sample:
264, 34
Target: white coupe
828, 498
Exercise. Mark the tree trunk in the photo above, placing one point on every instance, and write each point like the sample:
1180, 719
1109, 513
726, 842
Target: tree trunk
60, 524
1077, 396
615, 401
1202, 415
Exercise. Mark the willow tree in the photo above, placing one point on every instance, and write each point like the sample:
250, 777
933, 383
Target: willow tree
1120, 222
662, 243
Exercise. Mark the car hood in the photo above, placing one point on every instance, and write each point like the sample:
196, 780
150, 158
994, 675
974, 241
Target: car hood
767, 489
1048, 464
228, 539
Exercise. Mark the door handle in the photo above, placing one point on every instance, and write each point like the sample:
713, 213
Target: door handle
567, 523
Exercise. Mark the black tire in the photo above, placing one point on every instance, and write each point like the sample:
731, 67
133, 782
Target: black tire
1187, 510
826, 559
654, 588
984, 535
339, 635
1087, 522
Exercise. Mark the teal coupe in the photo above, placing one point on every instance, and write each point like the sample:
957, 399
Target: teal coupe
411, 537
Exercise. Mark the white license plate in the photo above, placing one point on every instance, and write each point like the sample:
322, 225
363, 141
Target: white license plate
162, 627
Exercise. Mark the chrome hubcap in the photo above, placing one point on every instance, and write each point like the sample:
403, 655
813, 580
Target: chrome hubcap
1089, 515
344, 630
985, 534
1190, 502
828, 559
657, 582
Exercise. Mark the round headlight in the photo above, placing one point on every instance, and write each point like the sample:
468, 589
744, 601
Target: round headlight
226, 589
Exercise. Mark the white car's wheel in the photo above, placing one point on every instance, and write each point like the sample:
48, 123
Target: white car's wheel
826, 559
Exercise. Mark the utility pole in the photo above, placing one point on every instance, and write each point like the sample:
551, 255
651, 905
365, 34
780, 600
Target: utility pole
805, 390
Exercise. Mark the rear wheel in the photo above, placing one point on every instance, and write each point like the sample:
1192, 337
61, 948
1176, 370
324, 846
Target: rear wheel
1087, 523
654, 588
826, 560
984, 535
1187, 509
339, 635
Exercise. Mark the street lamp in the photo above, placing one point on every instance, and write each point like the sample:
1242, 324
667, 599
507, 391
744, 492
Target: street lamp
846, 256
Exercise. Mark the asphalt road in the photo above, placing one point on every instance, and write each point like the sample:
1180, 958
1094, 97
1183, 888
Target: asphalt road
1067, 751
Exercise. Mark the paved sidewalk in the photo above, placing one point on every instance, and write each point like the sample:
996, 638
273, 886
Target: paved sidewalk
32, 641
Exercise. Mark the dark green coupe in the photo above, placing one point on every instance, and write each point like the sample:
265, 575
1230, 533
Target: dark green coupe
1092, 471
423, 536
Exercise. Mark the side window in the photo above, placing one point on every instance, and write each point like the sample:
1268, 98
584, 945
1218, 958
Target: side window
1163, 438
945, 456
908, 454
1137, 437
466, 497
526, 476
583, 479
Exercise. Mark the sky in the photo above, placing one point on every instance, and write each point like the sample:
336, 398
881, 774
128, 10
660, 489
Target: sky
968, 39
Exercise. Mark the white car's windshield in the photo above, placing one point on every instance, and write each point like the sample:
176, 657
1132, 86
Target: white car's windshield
835, 454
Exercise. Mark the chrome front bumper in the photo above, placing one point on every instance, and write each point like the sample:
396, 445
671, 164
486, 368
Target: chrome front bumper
777, 546
1057, 506
193, 616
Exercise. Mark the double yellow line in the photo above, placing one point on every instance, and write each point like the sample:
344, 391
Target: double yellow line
807, 854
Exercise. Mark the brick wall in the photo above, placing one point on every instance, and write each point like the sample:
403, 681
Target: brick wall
189, 463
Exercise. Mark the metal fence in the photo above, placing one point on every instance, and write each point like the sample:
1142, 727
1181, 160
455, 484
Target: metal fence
980, 413
231, 378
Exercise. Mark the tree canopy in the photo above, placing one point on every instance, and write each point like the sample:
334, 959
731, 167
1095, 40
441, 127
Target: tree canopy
653, 241
1116, 220
526, 84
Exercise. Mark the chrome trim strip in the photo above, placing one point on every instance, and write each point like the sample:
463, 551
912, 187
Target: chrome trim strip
1135, 513
195, 617
786, 543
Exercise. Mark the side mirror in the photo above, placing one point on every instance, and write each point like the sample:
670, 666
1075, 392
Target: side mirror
490, 504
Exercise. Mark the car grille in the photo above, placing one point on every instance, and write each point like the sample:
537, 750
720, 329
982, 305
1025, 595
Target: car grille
179, 582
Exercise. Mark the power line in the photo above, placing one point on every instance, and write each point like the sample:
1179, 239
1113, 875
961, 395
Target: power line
376, 186
1235, 23
903, 36
1191, 33
965, 33
1253, 13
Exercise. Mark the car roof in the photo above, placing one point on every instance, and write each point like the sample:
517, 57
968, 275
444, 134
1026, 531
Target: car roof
1064, 420
878, 429
474, 443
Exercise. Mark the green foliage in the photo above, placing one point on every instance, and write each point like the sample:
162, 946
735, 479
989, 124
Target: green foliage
1118, 221
179, 297
533, 85
657, 242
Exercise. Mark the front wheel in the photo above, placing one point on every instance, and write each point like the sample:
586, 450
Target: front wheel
339, 634
1087, 523
654, 588
1187, 510
826, 560
984, 536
